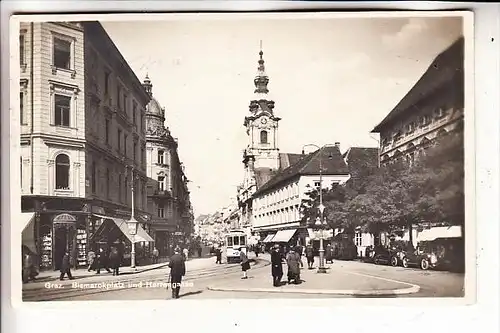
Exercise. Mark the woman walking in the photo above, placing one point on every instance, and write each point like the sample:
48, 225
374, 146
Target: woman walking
245, 264
294, 262
276, 266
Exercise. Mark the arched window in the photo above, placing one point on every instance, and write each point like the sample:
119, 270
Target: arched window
62, 171
263, 137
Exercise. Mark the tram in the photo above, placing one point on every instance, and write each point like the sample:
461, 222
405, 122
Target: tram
235, 240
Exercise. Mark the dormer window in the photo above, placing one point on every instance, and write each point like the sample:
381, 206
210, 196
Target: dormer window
425, 120
439, 113
410, 128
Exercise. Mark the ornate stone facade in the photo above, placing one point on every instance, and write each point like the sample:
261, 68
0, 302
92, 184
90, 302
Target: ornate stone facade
168, 196
82, 135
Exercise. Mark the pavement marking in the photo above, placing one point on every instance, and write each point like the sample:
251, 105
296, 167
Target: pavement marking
412, 289
391, 292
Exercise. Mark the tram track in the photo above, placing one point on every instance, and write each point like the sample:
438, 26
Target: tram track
67, 291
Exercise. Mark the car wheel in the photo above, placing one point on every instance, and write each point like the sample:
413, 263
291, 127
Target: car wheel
405, 262
394, 261
424, 264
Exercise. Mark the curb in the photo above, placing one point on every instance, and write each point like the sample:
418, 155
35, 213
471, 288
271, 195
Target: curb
138, 271
403, 291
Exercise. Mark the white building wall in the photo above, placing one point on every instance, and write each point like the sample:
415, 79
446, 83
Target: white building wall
282, 205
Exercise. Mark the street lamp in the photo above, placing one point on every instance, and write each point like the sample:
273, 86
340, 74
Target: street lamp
132, 225
321, 223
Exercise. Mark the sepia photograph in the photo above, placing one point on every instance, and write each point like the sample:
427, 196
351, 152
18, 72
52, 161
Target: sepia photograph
244, 156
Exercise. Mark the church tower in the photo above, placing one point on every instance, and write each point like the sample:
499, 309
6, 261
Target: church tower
261, 126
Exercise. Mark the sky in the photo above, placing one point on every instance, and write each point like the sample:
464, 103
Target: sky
332, 79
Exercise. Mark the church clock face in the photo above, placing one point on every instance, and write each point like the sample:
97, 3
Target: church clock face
263, 121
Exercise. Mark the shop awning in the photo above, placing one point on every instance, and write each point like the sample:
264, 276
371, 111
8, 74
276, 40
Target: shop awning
28, 234
112, 225
284, 236
268, 238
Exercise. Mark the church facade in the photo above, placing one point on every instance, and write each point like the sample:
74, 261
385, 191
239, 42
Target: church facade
275, 183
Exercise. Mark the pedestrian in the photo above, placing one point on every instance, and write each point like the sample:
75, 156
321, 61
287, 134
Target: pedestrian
114, 260
310, 256
102, 261
299, 251
245, 264
218, 255
256, 250
199, 251
65, 267
276, 266
329, 253
91, 259
29, 270
185, 253
155, 255
177, 271
293, 261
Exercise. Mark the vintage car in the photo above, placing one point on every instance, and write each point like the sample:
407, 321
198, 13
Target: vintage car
443, 253
385, 256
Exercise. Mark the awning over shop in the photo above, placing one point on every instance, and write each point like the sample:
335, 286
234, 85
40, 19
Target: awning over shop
112, 226
268, 238
28, 234
284, 236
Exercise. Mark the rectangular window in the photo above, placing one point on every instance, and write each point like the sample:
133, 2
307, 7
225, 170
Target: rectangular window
124, 103
21, 106
120, 188
94, 177
358, 238
161, 210
62, 53
142, 157
106, 83
119, 96
425, 120
125, 137
108, 180
134, 113
62, 110
21, 49
161, 154
119, 136
161, 183
317, 184
135, 151
107, 130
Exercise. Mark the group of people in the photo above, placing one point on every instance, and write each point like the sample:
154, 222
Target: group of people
293, 260
106, 258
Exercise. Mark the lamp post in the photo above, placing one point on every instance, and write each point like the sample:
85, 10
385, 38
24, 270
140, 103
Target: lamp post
132, 225
321, 223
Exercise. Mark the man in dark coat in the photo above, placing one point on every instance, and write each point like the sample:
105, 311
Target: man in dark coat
310, 256
177, 271
276, 266
65, 267
218, 255
102, 261
114, 260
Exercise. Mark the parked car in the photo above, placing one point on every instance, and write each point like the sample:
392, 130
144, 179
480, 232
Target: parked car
385, 256
444, 253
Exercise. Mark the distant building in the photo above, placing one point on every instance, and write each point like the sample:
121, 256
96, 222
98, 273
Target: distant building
82, 140
432, 108
168, 196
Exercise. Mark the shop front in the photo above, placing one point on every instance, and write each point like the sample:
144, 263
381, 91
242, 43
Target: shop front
116, 232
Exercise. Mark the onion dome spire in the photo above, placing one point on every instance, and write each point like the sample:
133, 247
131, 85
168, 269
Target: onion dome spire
261, 80
147, 85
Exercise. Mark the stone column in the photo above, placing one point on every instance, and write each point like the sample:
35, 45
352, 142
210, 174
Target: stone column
76, 178
50, 177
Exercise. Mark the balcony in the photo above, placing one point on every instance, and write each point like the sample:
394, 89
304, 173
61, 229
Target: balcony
162, 193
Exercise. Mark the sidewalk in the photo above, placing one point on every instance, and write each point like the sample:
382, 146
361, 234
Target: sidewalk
337, 281
45, 276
